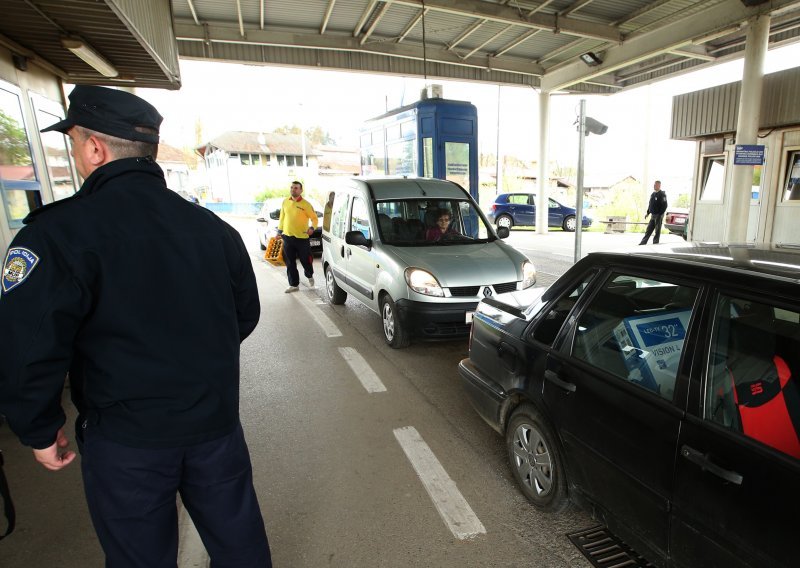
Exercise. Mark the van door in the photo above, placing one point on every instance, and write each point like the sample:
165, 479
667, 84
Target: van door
333, 245
361, 261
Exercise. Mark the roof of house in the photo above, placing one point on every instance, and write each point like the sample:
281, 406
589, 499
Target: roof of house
259, 143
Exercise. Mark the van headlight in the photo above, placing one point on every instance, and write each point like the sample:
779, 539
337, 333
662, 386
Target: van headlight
423, 282
528, 274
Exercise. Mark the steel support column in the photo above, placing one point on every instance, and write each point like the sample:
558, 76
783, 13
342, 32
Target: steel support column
542, 194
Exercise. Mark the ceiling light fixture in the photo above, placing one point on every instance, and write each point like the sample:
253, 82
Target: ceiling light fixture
591, 59
85, 51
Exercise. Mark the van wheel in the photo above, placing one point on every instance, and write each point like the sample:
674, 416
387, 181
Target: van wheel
393, 331
336, 295
535, 458
569, 224
504, 221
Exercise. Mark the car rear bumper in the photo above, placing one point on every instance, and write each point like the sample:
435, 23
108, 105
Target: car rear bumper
428, 320
486, 396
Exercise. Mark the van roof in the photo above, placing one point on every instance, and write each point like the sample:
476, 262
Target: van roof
413, 187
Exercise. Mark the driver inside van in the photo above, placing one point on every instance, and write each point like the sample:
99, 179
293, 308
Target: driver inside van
442, 227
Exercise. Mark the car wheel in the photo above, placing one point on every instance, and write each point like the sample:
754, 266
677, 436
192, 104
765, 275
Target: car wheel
336, 295
535, 458
393, 331
504, 221
569, 223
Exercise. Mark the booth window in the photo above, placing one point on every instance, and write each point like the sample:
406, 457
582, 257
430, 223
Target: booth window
400, 157
55, 149
456, 155
19, 182
427, 157
713, 178
792, 190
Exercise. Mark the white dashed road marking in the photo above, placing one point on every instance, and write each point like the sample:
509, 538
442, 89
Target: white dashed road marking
453, 508
322, 320
362, 370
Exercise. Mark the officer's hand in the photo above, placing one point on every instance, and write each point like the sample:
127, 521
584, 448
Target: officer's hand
50, 458
646, 215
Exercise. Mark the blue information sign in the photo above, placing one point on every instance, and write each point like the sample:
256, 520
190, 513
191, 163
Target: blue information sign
748, 155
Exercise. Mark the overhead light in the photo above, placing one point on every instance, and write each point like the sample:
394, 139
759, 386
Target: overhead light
85, 51
591, 59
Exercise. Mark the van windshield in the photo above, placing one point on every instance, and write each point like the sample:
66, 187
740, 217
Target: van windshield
431, 222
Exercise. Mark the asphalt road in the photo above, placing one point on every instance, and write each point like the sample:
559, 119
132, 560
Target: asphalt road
363, 455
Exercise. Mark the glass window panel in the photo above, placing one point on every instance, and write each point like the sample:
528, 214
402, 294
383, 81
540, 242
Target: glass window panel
634, 329
359, 219
16, 162
749, 386
427, 160
792, 189
547, 329
713, 179
401, 157
456, 155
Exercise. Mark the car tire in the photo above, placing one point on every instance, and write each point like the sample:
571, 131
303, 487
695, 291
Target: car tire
394, 332
504, 221
530, 440
336, 295
569, 224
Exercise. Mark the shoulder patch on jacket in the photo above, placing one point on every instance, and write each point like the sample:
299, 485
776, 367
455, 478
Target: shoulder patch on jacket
19, 264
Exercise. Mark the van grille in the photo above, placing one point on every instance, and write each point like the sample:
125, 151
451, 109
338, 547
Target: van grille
505, 287
462, 291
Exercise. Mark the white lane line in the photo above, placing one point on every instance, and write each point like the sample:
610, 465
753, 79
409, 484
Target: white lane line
191, 552
364, 373
322, 320
452, 507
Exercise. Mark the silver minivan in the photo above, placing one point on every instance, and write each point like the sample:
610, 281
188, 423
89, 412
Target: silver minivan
420, 253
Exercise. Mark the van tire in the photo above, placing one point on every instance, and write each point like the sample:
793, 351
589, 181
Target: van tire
394, 332
336, 295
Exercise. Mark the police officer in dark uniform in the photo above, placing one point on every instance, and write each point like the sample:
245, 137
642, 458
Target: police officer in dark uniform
656, 208
144, 298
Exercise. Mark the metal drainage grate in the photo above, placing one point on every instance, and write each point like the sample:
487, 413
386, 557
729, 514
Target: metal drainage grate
605, 550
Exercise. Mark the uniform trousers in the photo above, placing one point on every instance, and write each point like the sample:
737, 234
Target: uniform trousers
131, 493
295, 249
653, 225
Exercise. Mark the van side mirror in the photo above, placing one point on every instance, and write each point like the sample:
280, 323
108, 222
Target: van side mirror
357, 238
503, 232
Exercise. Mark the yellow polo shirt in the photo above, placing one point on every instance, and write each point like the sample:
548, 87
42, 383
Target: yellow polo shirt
296, 217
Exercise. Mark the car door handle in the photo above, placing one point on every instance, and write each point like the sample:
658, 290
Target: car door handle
706, 464
553, 377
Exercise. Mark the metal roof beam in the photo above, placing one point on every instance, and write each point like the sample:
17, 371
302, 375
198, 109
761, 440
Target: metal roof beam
574, 7
720, 20
376, 19
466, 33
488, 41
514, 43
194, 12
327, 16
364, 18
222, 33
507, 15
261, 13
412, 24
239, 12
694, 52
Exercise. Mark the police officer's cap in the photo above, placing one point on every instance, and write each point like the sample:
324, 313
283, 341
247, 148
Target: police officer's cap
112, 112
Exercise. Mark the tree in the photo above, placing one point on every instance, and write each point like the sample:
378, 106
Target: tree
14, 150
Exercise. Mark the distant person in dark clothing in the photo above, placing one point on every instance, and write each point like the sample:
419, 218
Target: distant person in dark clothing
144, 298
655, 209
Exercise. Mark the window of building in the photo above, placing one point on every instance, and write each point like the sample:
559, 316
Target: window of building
713, 178
427, 157
55, 147
401, 157
19, 181
749, 385
634, 329
791, 191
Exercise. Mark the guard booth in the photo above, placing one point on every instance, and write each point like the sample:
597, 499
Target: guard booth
431, 138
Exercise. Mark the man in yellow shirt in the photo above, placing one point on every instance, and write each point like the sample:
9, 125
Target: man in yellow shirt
297, 222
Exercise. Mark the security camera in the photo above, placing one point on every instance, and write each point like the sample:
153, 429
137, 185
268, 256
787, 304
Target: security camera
594, 126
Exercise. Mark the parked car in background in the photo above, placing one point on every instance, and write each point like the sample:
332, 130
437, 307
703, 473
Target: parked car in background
519, 209
676, 220
267, 224
419, 253
661, 390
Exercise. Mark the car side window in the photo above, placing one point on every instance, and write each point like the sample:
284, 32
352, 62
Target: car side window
552, 204
338, 221
751, 387
359, 218
518, 199
634, 328
547, 329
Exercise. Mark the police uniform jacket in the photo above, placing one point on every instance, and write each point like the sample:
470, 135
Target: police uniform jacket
658, 203
144, 295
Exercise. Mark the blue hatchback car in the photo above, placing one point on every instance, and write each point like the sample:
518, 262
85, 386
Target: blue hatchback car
510, 209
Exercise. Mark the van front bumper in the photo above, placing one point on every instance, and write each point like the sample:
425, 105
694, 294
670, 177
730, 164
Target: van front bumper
428, 320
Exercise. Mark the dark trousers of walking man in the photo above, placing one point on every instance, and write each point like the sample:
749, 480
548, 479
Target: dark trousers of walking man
295, 249
653, 225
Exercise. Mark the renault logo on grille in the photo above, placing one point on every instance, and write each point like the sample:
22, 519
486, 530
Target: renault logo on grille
487, 291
